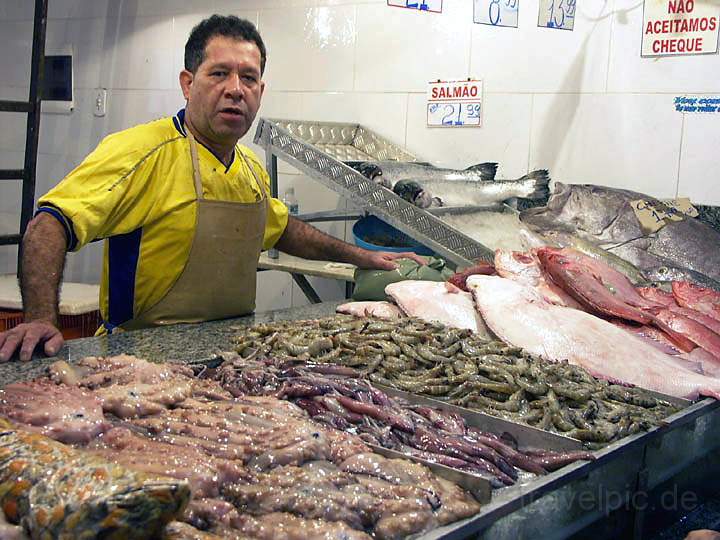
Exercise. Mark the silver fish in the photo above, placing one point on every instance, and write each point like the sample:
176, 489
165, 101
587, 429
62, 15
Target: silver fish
661, 274
454, 193
605, 217
388, 173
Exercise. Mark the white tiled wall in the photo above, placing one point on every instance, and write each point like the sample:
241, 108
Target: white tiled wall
582, 104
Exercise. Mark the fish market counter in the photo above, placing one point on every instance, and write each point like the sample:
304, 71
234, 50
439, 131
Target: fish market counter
180, 342
635, 487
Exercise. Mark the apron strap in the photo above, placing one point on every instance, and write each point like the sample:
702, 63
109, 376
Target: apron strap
195, 165
196, 169
259, 182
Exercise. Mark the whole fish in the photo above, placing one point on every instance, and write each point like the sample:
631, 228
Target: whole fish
671, 274
443, 192
566, 240
441, 302
388, 173
605, 217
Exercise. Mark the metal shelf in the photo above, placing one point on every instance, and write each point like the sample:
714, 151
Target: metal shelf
317, 148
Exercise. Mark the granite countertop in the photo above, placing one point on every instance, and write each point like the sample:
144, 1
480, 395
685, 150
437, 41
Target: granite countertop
180, 342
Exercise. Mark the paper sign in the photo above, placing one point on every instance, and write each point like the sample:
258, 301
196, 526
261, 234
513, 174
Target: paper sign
454, 103
496, 12
557, 14
423, 5
679, 27
697, 104
654, 216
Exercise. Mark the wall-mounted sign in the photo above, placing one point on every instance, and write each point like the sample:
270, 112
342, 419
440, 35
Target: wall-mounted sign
454, 103
679, 27
423, 5
496, 12
697, 104
557, 14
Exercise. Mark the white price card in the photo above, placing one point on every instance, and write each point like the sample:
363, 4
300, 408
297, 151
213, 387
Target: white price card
496, 12
454, 103
557, 14
680, 27
423, 5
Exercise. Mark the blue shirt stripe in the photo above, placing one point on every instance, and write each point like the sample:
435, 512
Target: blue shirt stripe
123, 255
64, 221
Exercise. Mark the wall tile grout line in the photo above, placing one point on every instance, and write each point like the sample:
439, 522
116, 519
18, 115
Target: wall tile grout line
682, 136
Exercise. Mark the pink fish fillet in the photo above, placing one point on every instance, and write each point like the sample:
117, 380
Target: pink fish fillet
521, 318
524, 268
613, 280
698, 333
581, 283
435, 301
657, 295
606, 293
700, 299
382, 310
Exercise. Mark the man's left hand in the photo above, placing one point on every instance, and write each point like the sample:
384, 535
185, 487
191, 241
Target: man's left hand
384, 260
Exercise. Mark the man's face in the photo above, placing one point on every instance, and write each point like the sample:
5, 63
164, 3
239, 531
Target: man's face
224, 93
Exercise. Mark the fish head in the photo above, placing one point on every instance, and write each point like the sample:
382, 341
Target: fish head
413, 192
587, 210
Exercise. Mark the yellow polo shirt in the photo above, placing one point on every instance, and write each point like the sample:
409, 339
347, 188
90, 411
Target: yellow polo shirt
136, 191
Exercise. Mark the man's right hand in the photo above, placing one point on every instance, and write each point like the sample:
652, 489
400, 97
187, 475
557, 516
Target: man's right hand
25, 337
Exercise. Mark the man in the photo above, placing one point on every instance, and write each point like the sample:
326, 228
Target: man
184, 210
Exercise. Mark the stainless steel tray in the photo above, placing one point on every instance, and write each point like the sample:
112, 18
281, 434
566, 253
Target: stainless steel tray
313, 147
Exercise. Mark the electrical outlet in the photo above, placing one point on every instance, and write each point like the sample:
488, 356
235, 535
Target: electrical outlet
100, 102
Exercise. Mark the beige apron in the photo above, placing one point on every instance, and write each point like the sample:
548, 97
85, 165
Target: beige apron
219, 278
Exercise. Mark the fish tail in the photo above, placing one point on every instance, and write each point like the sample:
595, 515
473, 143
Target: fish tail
536, 184
486, 170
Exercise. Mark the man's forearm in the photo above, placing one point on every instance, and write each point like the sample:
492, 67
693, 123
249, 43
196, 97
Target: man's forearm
303, 240
43, 260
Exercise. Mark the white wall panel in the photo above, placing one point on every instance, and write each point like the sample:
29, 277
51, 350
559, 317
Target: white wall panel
532, 59
700, 159
309, 48
400, 50
628, 141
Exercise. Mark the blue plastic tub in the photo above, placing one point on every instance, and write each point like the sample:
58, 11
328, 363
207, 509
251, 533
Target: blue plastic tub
370, 233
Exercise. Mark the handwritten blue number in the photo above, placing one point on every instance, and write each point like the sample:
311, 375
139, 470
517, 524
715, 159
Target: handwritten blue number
494, 20
445, 120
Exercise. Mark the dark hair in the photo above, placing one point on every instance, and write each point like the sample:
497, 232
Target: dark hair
219, 25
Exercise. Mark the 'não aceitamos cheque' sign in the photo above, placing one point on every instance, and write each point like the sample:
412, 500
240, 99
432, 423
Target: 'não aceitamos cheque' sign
680, 27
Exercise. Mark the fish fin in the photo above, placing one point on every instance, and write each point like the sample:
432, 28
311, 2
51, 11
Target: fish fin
368, 169
486, 170
537, 183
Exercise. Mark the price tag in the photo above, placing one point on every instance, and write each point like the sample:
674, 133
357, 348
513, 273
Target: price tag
557, 14
454, 104
496, 12
423, 5
654, 216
